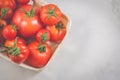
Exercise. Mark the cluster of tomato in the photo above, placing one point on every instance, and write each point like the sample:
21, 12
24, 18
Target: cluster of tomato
26, 30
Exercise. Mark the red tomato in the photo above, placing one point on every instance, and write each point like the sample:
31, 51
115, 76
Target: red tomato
8, 3
43, 35
50, 14
6, 13
2, 24
17, 50
9, 32
22, 1
57, 32
39, 54
27, 21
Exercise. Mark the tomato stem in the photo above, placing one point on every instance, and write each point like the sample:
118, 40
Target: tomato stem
44, 37
3, 12
41, 48
30, 13
59, 26
51, 12
13, 27
15, 51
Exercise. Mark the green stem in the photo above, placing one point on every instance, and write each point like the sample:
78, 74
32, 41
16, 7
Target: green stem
41, 48
13, 27
44, 37
59, 26
51, 12
3, 12
15, 51
31, 13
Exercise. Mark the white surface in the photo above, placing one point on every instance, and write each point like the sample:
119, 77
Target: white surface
91, 50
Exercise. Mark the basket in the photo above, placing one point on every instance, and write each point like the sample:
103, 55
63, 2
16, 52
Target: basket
65, 20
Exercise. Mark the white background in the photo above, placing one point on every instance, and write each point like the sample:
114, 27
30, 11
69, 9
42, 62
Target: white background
91, 51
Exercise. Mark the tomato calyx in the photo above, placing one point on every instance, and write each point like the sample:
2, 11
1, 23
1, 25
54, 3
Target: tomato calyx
44, 37
42, 48
15, 51
3, 12
31, 13
13, 27
51, 12
59, 26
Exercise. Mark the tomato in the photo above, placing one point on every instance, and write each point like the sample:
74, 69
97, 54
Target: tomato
6, 8
8, 3
22, 1
50, 14
39, 54
27, 21
57, 32
2, 24
9, 32
43, 35
18, 52
6, 13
